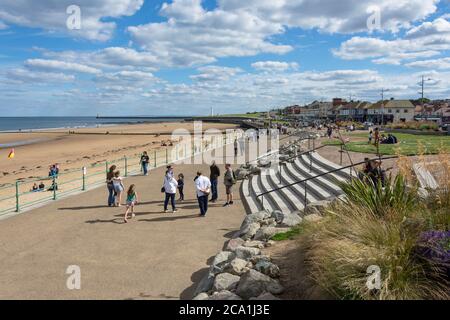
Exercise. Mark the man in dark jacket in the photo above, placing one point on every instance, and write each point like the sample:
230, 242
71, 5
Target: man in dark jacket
214, 177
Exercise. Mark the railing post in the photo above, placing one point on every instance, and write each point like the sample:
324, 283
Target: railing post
176, 149
84, 178
106, 165
306, 197
185, 150
126, 165
17, 197
155, 158
167, 156
342, 151
54, 188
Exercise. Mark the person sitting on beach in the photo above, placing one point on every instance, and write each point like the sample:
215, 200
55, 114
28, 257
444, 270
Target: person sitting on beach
181, 186
132, 200
41, 186
35, 188
117, 181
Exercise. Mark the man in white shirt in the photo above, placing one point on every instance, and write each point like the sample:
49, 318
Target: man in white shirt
203, 187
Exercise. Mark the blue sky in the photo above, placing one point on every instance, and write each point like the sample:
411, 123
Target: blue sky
182, 57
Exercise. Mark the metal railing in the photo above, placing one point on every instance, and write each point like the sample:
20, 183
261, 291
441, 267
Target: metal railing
305, 181
20, 195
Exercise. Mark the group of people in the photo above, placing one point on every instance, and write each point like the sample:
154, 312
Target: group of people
204, 187
378, 138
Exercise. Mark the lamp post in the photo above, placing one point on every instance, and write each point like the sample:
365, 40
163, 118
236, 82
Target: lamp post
382, 105
422, 84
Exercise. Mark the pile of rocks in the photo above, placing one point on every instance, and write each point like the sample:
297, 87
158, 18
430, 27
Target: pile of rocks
242, 271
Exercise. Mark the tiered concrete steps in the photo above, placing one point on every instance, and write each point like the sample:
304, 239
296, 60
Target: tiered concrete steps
292, 198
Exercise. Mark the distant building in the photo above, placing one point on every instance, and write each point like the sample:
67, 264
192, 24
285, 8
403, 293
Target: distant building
391, 111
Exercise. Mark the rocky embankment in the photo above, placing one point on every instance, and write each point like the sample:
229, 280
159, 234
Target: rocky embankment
242, 271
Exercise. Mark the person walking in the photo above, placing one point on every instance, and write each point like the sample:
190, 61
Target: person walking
214, 178
170, 186
117, 181
370, 136
229, 182
132, 200
329, 132
181, 186
145, 160
110, 186
235, 144
203, 188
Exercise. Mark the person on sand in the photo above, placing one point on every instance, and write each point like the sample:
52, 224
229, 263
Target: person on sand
41, 186
181, 186
170, 186
145, 160
203, 188
117, 181
214, 178
235, 144
110, 186
229, 182
132, 200
35, 188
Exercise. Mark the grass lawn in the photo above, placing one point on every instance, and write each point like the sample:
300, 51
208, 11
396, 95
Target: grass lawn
409, 144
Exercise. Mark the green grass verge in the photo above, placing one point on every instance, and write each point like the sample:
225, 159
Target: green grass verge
290, 235
409, 144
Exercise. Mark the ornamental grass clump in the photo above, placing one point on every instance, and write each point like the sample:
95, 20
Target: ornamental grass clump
386, 228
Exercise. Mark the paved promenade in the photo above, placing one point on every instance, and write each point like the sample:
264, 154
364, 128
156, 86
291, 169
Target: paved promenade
154, 256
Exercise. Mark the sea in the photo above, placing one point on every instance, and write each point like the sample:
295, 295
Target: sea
14, 124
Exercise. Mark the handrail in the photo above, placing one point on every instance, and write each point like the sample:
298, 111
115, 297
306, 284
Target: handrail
324, 174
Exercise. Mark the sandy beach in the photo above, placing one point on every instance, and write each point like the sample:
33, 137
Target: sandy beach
83, 147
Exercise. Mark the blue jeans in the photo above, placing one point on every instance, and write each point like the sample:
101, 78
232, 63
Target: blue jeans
145, 167
171, 197
203, 204
214, 189
111, 196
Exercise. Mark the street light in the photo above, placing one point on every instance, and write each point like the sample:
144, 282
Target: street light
382, 105
422, 83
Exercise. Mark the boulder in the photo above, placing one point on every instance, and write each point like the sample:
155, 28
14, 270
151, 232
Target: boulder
201, 296
237, 267
264, 163
271, 222
205, 285
220, 261
242, 174
312, 218
247, 253
265, 233
269, 243
291, 220
234, 243
254, 283
224, 295
249, 232
259, 258
254, 244
268, 268
225, 281
277, 215
266, 296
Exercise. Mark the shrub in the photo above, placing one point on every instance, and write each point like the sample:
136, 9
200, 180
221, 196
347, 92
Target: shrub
381, 227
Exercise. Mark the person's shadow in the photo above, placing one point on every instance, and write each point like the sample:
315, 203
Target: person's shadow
170, 217
115, 221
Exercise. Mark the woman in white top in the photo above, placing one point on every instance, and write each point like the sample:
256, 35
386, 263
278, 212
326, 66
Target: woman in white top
170, 189
117, 182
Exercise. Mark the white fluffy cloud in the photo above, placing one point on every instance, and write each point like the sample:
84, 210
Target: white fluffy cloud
51, 15
55, 65
443, 63
343, 16
193, 36
275, 66
424, 41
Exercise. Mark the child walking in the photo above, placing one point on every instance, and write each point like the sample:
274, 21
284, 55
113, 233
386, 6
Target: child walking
132, 200
181, 186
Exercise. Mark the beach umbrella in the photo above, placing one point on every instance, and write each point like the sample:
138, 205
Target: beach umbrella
11, 154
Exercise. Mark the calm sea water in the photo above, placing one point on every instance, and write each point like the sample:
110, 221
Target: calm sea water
39, 123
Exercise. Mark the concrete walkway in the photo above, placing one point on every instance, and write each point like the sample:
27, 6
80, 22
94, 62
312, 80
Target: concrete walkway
154, 256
